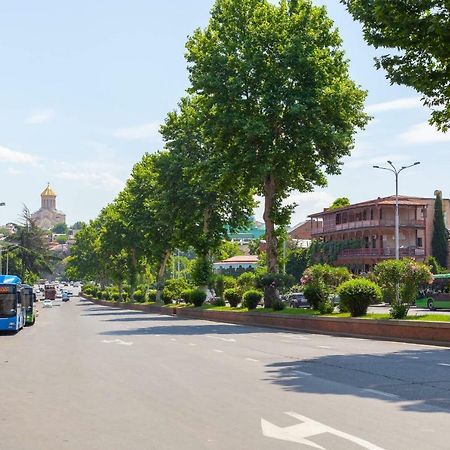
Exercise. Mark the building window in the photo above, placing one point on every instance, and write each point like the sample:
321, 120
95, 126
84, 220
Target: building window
365, 214
338, 219
419, 242
371, 213
381, 213
366, 241
381, 241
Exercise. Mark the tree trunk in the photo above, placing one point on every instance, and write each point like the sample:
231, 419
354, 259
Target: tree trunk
132, 272
270, 291
160, 276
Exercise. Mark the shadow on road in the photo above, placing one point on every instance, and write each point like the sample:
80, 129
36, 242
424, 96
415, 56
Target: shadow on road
188, 330
419, 380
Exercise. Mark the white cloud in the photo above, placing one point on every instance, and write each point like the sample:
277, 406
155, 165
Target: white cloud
40, 117
423, 133
13, 156
103, 180
393, 105
138, 132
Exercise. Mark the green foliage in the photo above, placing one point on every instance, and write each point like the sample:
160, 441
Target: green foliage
328, 252
357, 295
61, 239
60, 228
186, 295
151, 295
233, 297
282, 282
246, 281
115, 296
252, 298
198, 297
284, 107
434, 265
297, 262
139, 296
326, 307
219, 301
404, 274
173, 289
202, 272
439, 241
340, 202
417, 34
313, 295
219, 285
229, 282
226, 250
399, 310
278, 305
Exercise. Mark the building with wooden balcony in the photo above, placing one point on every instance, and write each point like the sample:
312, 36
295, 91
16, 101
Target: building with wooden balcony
372, 224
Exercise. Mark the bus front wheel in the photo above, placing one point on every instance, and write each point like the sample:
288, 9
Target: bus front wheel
431, 305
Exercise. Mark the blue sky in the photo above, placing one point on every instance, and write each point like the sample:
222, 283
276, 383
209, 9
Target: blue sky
85, 85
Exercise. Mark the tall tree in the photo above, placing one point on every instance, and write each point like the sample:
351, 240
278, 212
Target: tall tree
340, 202
439, 241
31, 249
281, 108
418, 32
209, 200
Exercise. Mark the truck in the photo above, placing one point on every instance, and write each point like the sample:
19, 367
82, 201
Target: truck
49, 292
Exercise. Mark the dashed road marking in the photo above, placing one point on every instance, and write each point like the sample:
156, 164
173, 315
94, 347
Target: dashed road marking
325, 347
383, 394
306, 374
252, 360
444, 364
218, 351
192, 344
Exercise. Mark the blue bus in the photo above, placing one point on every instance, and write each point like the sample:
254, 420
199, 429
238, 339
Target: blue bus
12, 313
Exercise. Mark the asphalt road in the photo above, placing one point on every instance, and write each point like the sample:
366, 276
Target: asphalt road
90, 377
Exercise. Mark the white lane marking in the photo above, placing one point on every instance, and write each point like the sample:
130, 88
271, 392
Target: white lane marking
308, 428
221, 338
383, 394
252, 360
444, 364
116, 341
192, 344
286, 342
412, 357
325, 346
306, 374
218, 351
173, 340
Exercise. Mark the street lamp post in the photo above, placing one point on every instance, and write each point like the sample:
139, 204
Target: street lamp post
396, 172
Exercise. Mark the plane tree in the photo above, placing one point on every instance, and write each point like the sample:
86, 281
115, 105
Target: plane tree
279, 105
414, 36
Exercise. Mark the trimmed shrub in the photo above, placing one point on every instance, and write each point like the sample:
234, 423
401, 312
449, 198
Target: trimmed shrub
125, 296
105, 295
313, 296
115, 296
219, 301
356, 295
151, 296
399, 310
278, 305
246, 281
198, 297
232, 296
326, 307
166, 297
186, 295
173, 289
252, 298
87, 290
139, 296
229, 282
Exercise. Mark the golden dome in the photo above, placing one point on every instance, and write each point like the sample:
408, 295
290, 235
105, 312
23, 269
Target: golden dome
48, 192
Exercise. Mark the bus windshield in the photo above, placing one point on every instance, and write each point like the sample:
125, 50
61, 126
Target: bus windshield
8, 306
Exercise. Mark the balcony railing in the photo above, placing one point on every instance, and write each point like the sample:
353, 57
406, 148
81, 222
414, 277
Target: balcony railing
367, 224
381, 252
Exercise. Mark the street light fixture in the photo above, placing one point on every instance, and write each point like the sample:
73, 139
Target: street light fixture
396, 172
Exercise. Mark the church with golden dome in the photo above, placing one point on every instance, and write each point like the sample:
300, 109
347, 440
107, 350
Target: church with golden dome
48, 216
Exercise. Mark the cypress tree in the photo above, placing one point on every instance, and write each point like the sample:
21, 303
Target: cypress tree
439, 243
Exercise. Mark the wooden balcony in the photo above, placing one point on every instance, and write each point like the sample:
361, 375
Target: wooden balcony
362, 224
380, 252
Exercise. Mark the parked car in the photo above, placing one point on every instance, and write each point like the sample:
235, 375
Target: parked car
47, 304
65, 297
296, 300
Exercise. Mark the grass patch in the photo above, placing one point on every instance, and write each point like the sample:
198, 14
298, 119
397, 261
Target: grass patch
431, 318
